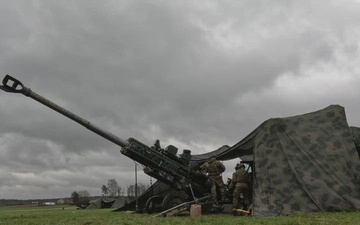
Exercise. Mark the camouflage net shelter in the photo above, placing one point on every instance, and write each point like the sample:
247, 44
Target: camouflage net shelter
355, 131
306, 163
109, 202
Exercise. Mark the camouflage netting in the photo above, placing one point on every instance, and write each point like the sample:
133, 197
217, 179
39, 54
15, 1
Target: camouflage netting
355, 131
109, 202
306, 163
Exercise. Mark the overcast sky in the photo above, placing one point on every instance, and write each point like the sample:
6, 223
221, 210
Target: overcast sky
195, 74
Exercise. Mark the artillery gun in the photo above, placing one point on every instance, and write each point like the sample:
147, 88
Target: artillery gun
162, 164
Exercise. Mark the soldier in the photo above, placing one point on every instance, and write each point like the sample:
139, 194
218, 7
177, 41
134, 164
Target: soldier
239, 183
214, 169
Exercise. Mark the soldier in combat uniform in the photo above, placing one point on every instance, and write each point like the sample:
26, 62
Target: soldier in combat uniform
239, 183
214, 169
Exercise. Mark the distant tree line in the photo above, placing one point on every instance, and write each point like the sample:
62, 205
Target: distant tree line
112, 189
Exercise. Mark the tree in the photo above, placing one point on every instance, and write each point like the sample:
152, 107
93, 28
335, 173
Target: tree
75, 197
131, 190
113, 187
104, 190
84, 197
141, 188
119, 191
84, 194
80, 198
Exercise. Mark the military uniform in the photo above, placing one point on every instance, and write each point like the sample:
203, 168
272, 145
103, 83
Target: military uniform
214, 169
239, 182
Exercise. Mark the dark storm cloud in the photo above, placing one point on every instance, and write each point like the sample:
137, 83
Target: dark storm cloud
194, 74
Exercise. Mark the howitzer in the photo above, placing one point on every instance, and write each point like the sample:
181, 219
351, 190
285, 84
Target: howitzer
163, 164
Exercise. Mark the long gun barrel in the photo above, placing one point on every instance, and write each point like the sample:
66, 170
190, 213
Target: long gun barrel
13, 85
162, 164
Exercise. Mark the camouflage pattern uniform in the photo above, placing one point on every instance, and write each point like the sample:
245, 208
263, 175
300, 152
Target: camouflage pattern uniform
239, 183
214, 169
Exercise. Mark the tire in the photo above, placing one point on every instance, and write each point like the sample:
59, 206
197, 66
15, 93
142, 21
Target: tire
171, 200
153, 203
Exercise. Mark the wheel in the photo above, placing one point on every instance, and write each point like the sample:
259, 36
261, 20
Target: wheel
171, 200
153, 203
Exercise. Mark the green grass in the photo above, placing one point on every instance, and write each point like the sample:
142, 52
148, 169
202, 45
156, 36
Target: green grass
56, 215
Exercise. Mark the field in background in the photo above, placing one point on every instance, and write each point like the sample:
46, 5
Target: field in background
56, 215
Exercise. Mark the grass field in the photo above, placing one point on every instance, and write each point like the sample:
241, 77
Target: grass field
56, 215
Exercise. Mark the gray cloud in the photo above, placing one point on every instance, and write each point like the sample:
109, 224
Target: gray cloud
194, 74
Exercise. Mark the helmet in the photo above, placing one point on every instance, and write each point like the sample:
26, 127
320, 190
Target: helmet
239, 165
